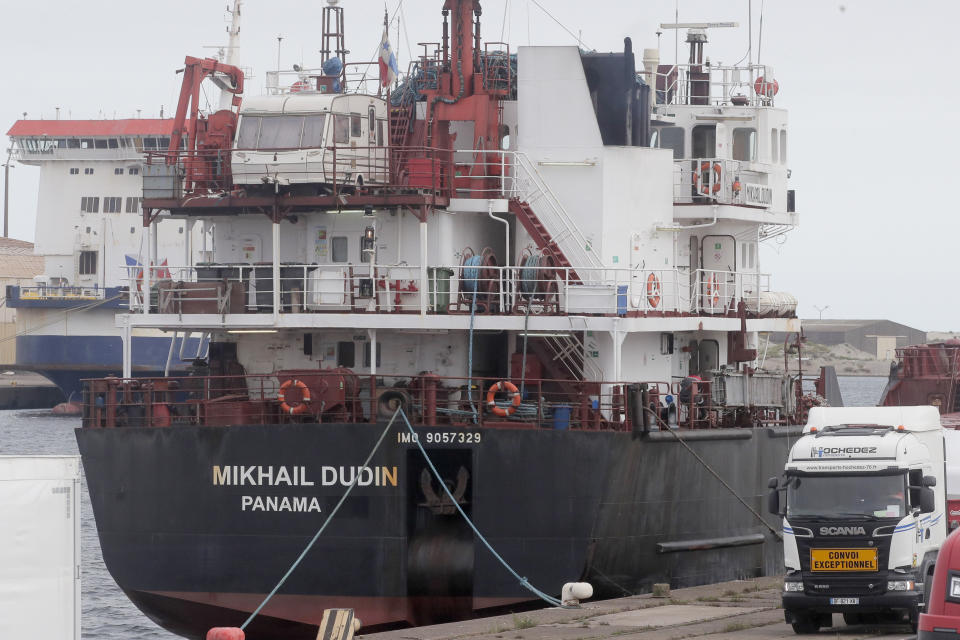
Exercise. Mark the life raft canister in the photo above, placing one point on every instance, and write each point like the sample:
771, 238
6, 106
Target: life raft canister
653, 290
492, 394
705, 169
297, 407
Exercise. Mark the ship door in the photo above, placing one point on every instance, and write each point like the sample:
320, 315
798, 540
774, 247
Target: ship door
718, 273
440, 553
704, 358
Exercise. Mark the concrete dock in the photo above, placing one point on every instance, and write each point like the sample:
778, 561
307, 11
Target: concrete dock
730, 610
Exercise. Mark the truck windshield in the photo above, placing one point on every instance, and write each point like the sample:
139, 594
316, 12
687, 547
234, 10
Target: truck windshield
852, 497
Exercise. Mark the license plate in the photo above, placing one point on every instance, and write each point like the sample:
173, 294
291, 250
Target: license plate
844, 600
843, 559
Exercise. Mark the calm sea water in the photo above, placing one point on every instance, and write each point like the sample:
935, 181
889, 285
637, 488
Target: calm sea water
107, 614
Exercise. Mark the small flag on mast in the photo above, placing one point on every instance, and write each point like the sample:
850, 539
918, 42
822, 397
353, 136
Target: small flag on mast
388, 61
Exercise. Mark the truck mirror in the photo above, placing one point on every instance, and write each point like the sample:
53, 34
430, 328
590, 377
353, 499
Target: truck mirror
929, 481
928, 502
773, 502
772, 483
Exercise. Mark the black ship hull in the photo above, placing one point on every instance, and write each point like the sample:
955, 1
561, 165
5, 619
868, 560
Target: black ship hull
197, 524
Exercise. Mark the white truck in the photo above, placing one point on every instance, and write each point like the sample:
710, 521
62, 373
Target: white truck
864, 515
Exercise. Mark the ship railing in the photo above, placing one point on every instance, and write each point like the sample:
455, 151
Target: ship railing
717, 85
47, 292
344, 396
720, 181
361, 78
213, 288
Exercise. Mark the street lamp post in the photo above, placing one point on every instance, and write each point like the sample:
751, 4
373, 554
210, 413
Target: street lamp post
820, 310
6, 195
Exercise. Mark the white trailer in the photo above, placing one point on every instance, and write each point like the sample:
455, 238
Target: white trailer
312, 138
864, 515
40, 547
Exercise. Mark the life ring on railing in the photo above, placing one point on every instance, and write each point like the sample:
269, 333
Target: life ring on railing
492, 394
766, 88
705, 169
297, 407
653, 290
713, 291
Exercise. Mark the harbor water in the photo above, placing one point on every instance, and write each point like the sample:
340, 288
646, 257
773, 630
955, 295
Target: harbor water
107, 614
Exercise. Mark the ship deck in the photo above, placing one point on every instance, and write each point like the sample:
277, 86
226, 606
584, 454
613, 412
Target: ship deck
748, 609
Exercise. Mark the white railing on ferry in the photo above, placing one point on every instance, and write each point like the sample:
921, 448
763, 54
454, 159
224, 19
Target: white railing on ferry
723, 85
348, 288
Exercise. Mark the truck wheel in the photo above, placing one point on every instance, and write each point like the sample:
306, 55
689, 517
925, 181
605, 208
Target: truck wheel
804, 622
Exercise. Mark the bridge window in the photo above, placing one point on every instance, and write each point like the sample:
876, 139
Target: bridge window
112, 204
90, 204
783, 146
668, 138
372, 124
74, 171
88, 263
774, 139
356, 125
133, 205
379, 133
745, 144
704, 141
134, 171
118, 172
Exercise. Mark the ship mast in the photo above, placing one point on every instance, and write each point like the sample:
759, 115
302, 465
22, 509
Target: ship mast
233, 49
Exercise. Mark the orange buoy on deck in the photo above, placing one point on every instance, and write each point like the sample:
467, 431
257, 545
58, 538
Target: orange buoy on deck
226, 633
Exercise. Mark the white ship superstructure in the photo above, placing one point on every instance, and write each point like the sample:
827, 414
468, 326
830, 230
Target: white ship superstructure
587, 219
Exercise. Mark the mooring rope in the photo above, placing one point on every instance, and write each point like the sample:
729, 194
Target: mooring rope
665, 426
319, 532
523, 581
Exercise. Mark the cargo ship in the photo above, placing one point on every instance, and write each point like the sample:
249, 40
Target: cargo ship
547, 258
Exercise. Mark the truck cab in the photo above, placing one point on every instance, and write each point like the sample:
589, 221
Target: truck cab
863, 502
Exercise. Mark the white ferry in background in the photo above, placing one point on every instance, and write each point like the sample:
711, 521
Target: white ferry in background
89, 232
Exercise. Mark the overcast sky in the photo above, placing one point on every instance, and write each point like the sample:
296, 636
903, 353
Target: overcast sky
869, 85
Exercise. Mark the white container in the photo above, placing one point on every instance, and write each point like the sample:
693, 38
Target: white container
40, 547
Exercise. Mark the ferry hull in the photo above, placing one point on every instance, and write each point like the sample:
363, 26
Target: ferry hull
67, 360
194, 526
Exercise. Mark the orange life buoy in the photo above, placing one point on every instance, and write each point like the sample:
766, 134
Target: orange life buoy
298, 407
713, 290
766, 88
705, 168
653, 290
515, 398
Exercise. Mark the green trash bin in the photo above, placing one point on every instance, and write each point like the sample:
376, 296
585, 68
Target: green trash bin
439, 279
